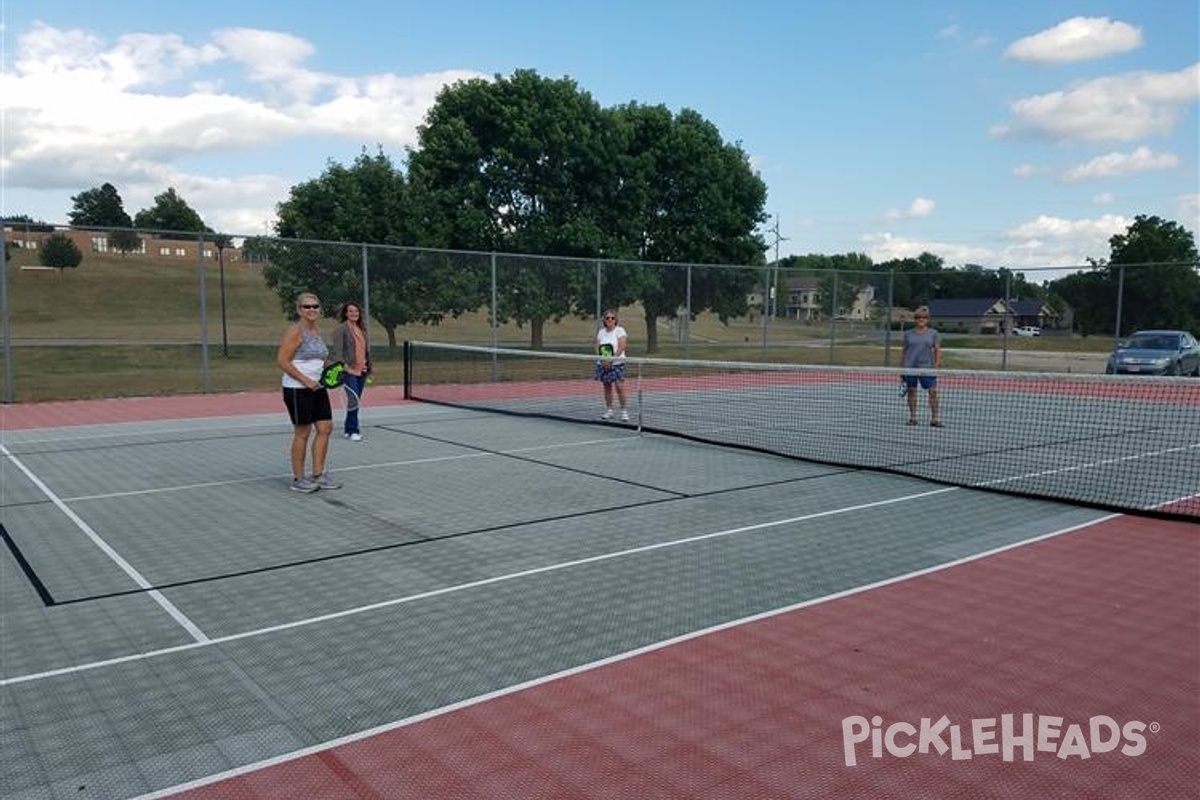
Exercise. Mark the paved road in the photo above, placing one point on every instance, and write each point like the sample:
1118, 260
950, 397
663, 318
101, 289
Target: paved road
1092, 363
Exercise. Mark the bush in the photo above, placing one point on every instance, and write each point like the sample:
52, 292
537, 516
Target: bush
60, 252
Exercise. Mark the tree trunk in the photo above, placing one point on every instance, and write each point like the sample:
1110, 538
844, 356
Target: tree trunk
537, 331
651, 332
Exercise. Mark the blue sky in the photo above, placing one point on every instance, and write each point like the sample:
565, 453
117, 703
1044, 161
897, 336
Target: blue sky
1019, 134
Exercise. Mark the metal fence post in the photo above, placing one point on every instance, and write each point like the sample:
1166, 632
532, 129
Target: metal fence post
205, 374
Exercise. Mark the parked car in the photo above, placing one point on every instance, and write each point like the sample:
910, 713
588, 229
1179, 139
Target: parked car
1156, 353
1028, 330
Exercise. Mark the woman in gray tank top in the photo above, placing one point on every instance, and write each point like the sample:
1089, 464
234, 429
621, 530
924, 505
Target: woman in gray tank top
301, 356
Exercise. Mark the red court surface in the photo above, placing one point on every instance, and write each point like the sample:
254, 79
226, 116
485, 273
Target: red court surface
1098, 628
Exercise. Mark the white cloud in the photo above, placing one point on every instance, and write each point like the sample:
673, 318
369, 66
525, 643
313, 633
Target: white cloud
80, 112
1189, 212
1027, 170
1049, 240
1043, 247
956, 34
1118, 108
1104, 199
919, 207
1077, 39
1115, 165
886, 246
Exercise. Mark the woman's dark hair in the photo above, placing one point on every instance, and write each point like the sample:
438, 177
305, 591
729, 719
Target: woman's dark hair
346, 307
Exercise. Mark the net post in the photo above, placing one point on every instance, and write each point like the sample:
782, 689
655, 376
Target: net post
406, 378
639, 397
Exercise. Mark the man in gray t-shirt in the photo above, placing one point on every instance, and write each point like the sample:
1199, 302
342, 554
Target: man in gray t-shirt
922, 350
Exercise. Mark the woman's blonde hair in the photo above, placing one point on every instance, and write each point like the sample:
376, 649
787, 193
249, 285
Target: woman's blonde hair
303, 296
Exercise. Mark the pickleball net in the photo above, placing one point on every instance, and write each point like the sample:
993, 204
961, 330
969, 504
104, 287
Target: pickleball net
1110, 442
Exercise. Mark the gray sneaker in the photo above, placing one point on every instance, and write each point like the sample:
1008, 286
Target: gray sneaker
326, 481
306, 485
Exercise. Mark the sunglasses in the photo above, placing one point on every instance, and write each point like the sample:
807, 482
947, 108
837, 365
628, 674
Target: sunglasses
606, 319
310, 305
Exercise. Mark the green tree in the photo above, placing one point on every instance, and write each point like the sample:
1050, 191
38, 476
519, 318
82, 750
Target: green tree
916, 281
99, 207
1162, 285
1092, 296
25, 223
1152, 267
171, 217
367, 202
61, 252
684, 196
523, 164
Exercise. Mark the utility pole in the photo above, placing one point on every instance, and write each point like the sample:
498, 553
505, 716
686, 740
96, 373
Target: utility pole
773, 301
769, 300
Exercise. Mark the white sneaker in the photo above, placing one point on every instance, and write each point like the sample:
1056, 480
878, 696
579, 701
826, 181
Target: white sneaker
624, 416
355, 437
608, 412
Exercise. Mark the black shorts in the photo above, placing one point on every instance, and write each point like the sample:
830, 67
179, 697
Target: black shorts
306, 406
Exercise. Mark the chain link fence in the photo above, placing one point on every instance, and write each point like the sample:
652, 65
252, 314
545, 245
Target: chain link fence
150, 312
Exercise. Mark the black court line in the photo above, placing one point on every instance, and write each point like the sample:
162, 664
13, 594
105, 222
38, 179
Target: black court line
50, 601
26, 568
908, 468
531, 460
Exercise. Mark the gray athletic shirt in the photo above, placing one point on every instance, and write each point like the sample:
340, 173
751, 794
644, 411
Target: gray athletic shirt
918, 348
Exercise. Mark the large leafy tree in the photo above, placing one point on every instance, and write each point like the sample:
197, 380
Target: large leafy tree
368, 202
102, 207
171, 217
685, 197
522, 164
99, 207
916, 281
1092, 296
1162, 285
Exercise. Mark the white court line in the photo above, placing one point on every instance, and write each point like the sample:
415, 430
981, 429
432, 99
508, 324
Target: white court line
446, 590
355, 468
614, 659
189, 626
240, 423
1094, 464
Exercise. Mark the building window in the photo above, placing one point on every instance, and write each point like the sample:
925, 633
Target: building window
99, 244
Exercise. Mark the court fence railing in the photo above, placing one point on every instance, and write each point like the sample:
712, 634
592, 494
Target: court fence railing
153, 312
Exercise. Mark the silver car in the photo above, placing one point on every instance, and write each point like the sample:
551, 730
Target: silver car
1156, 353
